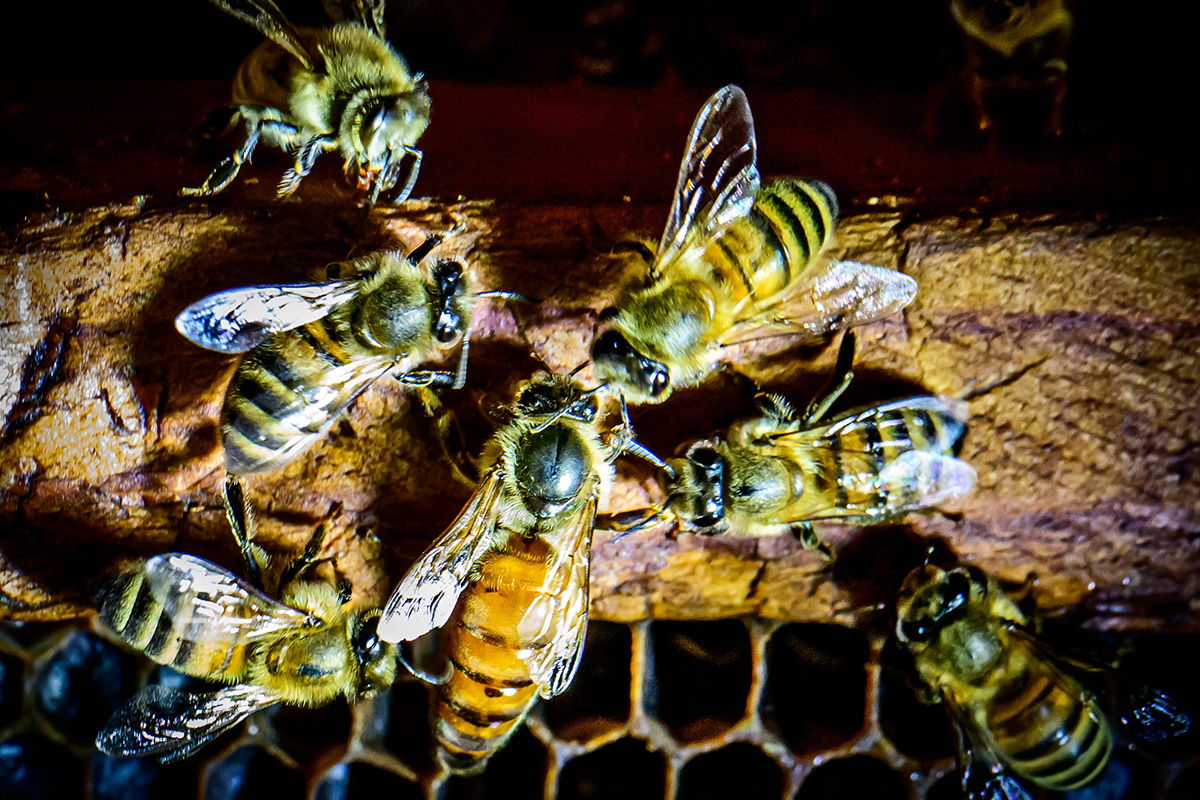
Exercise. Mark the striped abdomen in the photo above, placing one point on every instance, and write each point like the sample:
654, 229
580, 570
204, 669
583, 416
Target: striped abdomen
288, 391
764, 252
490, 690
127, 606
1047, 729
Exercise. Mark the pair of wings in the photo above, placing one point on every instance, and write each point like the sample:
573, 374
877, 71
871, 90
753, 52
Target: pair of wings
211, 607
717, 183
266, 17
552, 629
1144, 713
918, 477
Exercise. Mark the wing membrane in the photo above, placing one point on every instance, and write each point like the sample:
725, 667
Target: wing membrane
718, 176
270, 21
237, 320
172, 724
983, 775
429, 590
555, 623
842, 294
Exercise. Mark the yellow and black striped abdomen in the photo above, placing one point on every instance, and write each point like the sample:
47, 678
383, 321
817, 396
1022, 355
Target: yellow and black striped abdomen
490, 689
127, 606
289, 389
766, 251
1048, 730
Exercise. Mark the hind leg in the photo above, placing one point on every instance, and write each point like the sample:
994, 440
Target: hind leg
259, 122
237, 511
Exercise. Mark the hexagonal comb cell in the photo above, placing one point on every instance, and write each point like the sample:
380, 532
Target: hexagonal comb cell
134, 778
346, 781
918, 729
305, 733
856, 776
82, 684
518, 770
736, 770
702, 676
32, 768
815, 694
598, 699
624, 769
250, 774
409, 737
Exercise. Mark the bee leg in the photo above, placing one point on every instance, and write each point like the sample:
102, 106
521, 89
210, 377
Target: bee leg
227, 170
807, 536
420, 674
310, 555
843, 373
345, 589
237, 511
449, 436
409, 183
306, 157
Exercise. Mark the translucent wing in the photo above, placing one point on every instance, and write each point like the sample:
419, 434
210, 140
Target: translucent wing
172, 724
368, 13
429, 590
270, 21
983, 775
555, 623
718, 177
1142, 711
919, 479
206, 604
237, 320
842, 294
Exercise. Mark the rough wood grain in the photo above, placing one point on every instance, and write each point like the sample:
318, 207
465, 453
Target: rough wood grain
1086, 445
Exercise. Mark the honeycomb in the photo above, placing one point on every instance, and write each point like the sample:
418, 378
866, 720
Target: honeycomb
689, 710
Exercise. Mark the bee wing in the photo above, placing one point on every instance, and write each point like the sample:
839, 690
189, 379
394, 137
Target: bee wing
718, 177
270, 22
368, 13
555, 623
983, 775
429, 590
197, 595
237, 320
842, 294
172, 724
1144, 712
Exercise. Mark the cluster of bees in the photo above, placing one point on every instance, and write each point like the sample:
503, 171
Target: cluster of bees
507, 582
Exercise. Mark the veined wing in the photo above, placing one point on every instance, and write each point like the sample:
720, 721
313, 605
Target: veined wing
237, 320
842, 294
983, 774
270, 21
368, 13
554, 625
718, 177
172, 724
427, 594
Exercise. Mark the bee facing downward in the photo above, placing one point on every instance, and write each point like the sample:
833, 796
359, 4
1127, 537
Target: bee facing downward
782, 470
307, 648
509, 577
340, 89
314, 347
736, 262
1022, 711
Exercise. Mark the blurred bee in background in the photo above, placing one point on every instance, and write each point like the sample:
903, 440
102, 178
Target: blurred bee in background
781, 471
1022, 711
315, 347
307, 648
508, 579
311, 91
736, 263
1015, 44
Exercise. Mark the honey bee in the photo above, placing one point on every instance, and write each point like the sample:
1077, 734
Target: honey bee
780, 471
341, 88
736, 262
509, 577
315, 347
1022, 711
307, 648
1016, 43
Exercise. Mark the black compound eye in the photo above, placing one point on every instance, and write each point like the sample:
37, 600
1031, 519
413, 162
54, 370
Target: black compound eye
706, 457
611, 344
955, 592
447, 327
998, 12
367, 644
657, 378
916, 630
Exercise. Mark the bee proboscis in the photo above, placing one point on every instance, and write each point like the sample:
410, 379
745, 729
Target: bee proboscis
737, 262
1022, 710
338, 89
307, 648
315, 347
508, 580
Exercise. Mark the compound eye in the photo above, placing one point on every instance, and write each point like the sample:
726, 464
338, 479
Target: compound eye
611, 344
447, 328
998, 12
955, 592
916, 630
657, 378
367, 643
706, 458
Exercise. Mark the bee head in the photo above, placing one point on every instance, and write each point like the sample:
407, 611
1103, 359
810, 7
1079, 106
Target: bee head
376, 134
699, 486
640, 379
552, 465
376, 657
555, 396
449, 298
932, 598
